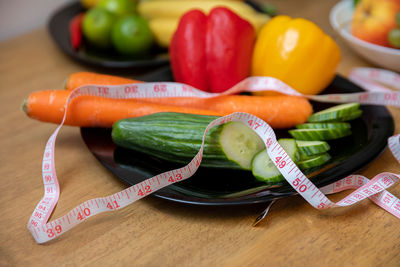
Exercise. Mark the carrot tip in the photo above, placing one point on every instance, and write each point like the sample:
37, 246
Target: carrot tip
24, 105
65, 83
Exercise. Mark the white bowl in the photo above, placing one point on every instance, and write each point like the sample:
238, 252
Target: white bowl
340, 19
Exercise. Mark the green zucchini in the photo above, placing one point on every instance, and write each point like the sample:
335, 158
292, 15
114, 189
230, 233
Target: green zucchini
264, 169
335, 113
177, 137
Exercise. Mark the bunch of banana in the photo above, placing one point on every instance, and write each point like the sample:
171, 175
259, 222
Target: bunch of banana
164, 15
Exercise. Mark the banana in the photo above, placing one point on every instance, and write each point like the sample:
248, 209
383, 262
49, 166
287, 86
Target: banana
163, 29
164, 15
176, 8
192, 0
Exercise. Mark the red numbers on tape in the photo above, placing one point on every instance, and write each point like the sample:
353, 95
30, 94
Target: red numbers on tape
103, 90
296, 184
279, 162
131, 89
52, 232
253, 124
83, 214
178, 177
112, 206
145, 191
160, 88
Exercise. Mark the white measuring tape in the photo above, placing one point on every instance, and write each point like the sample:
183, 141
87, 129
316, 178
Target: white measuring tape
374, 189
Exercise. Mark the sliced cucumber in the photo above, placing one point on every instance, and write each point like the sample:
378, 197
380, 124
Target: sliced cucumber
335, 113
319, 134
263, 167
314, 161
311, 148
324, 125
291, 147
306, 157
240, 143
352, 116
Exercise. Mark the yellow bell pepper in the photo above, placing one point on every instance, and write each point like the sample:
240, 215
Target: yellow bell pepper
297, 52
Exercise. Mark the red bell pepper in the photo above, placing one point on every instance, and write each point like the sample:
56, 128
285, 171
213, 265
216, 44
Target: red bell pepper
212, 53
75, 30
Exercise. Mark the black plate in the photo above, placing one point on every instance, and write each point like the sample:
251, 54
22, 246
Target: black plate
58, 28
228, 187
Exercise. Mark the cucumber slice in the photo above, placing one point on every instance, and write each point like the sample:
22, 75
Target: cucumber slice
319, 134
324, 125
314, 161
335, 113
356, 114
240, 143
291, 147
311, 148
306, 157
265, 170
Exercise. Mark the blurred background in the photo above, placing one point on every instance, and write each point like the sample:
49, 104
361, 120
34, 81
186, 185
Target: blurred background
20, 16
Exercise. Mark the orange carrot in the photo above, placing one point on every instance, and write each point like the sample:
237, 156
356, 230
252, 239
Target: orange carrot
91, 111
279, 111
78, 79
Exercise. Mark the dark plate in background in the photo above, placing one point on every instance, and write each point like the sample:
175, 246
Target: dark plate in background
58, 29
232, 187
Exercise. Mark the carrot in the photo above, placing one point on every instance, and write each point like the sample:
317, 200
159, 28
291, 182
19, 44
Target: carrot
279, 111
92, 111
78, 79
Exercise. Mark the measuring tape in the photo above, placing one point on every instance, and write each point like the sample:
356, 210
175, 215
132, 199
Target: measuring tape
374, 189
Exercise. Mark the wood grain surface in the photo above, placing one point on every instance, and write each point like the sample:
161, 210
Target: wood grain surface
155, 232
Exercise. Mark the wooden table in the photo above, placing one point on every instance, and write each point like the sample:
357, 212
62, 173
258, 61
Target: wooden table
155, 232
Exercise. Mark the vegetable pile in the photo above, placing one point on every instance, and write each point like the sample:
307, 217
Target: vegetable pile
133, 27
177, 137
213, 49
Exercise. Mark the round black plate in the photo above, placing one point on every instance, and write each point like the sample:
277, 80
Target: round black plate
58, 28
231, 187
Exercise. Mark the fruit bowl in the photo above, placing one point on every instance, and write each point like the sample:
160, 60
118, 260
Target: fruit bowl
385, 57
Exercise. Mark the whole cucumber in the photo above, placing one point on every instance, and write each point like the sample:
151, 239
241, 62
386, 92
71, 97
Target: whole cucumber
177, 137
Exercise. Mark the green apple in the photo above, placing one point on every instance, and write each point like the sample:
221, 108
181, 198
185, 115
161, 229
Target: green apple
96, 27
131, 35
118, 7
